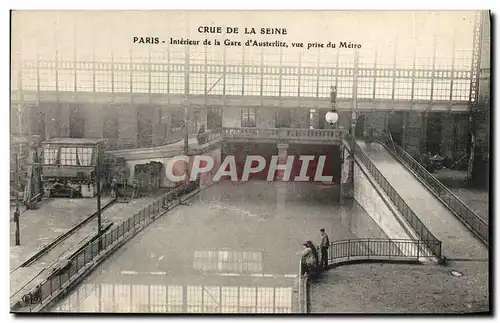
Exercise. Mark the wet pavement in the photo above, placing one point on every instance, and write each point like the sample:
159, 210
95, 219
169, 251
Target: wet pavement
232, 248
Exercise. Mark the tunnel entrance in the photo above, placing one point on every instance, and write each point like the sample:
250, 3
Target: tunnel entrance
331, 166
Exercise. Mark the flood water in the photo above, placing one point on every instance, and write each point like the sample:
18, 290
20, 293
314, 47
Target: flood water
234, 248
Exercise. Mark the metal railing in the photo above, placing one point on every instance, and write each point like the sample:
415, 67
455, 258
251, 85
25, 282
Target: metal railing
425, 234
76, 264
282, 133
390, 249
477, 225
209, 136
301, 291
146, 141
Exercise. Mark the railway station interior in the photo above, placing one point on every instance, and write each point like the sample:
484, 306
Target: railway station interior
403, 120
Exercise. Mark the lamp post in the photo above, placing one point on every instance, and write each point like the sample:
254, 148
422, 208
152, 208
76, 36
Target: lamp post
98, 189
17, 212
331, 118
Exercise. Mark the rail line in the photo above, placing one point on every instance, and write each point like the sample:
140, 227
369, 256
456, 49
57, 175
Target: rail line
46, 249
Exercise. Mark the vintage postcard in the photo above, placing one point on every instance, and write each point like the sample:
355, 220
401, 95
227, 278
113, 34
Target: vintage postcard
264, 162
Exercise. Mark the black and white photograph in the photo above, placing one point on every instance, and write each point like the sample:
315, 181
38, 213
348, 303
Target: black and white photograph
269, 162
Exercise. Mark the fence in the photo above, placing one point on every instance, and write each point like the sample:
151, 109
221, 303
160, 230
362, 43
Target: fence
283, 133
390, 249
146, 141
78, 262
425, 235
460, 209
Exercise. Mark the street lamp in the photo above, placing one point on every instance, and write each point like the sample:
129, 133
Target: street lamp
332, 116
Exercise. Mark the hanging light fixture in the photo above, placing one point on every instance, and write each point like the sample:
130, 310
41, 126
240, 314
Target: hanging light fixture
332, 116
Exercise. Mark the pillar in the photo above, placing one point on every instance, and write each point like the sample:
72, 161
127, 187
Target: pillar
479, 162
282, 157
281, 187
346, 175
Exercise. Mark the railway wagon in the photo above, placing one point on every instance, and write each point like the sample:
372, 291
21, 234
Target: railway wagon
69, 166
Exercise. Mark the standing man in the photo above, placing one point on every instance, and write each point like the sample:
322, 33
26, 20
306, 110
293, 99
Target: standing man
324, 245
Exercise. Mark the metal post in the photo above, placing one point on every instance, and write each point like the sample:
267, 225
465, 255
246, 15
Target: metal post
186, 130
300, 286
98, 184
16, 212
353, 111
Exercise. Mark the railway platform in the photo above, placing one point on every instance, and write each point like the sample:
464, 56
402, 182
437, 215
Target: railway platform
52, 231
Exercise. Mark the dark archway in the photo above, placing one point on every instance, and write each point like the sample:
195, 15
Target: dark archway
395, 125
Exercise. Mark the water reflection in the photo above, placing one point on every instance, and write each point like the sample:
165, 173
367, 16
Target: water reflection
135, 298
227, 261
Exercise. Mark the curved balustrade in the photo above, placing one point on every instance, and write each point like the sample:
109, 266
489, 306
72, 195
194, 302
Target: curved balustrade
283, 133
425, 234
451, 201
374, 248
209, 136
112, 144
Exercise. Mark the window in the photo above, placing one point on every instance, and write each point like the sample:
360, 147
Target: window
344, 88
234, 84
50, 155
461, 89
265, 299
159, 82
69, 156
365, 87
402, 89
270, 86
282, 118
122, 81
140, 82
247, 300
84, 156
47, 80
325, 85
215, 84
176, 81
383, 88
66, 80
197, 83
230, 299
248, 117
441, 90
227, 261
214, 118
103, 81
422, 90
283, 300
308, 86
29, 80
84, 81
174, 298
158, 297
252, 84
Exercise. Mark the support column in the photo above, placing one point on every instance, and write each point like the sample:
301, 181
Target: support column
281, 187
479, 162
64, 117
282, 156
346, 175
